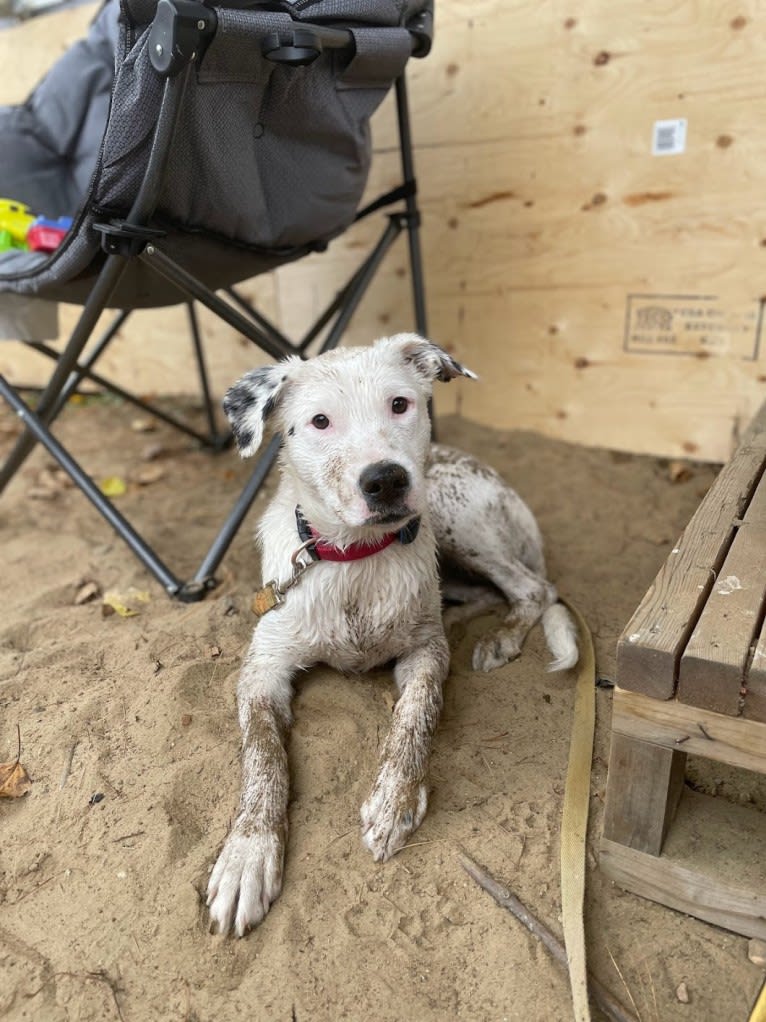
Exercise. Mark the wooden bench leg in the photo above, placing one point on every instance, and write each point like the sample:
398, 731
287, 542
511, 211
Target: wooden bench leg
643, 788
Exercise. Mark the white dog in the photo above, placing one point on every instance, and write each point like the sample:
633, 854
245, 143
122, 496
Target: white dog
350, 546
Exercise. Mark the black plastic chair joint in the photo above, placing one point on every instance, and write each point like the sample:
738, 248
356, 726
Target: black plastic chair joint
297, 47
121, 238
407, 190
406, 219
180, 32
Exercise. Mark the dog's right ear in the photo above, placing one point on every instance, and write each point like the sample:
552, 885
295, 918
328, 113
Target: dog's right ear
248, 404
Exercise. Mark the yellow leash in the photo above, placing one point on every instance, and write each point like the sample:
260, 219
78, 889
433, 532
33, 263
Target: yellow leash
758, 1014
574, 820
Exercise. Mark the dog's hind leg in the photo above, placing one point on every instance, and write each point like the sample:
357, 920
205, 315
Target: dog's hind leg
485, 529
529, 596
397, 803
247, 877
464, 602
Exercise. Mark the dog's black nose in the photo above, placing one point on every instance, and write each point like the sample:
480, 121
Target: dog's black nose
383, 484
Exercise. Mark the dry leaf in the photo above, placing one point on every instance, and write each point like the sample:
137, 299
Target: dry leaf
152, 451
14, 780
112, 486
87, 591
54, 478
126, 604
148, 474
679, 471
143, 425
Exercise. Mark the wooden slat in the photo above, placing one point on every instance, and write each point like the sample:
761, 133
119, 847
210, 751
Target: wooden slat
650, 648
686, 890
712, 670
642, 792
755, 683
714, 664
698, 732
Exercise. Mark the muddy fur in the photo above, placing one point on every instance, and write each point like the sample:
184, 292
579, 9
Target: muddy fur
357, 460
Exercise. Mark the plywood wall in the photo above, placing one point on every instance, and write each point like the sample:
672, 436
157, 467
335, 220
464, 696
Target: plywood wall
605, 294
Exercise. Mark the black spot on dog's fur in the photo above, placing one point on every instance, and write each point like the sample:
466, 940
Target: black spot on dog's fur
243, 437
268, 406
434, 363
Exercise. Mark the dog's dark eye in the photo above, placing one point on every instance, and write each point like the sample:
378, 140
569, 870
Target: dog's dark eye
399, 405
320, 421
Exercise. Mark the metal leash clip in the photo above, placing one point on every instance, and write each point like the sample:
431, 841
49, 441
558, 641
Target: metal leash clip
272, 593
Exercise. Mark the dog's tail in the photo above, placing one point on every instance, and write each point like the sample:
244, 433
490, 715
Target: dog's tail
560, 631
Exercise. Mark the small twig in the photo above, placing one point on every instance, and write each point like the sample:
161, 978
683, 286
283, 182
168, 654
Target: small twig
627, 988
704, 732
36, 888
603, 997
338, 837
100, 976
124, 837
68, 763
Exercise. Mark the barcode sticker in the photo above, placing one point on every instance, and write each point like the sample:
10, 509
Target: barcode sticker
669, 137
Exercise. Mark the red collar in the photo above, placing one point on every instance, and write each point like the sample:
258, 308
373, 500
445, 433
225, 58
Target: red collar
321, 551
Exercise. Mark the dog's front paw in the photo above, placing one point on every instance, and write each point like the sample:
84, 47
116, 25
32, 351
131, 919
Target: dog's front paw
392, 812
245, 880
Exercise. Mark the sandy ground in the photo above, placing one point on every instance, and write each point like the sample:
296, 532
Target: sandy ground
130, 736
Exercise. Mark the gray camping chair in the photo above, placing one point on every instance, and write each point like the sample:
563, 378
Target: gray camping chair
198, 146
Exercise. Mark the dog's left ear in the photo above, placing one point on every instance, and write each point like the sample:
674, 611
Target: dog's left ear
428, 359
250, 402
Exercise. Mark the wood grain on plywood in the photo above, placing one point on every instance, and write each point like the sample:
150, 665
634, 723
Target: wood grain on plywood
545, 213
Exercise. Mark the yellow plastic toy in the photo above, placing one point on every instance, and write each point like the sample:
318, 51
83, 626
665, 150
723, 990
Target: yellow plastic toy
16, 218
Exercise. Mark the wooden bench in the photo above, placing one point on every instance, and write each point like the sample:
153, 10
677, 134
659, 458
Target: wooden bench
691, 679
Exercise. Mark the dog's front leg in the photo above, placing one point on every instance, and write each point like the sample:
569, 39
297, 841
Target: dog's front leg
397, 803
247, 877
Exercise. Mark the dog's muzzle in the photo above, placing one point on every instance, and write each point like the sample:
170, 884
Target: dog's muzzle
384, 486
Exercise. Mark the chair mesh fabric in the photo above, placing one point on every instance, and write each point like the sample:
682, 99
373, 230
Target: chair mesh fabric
268, 160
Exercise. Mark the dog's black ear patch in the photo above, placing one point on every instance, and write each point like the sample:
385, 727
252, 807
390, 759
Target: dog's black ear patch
249, 404
431, 361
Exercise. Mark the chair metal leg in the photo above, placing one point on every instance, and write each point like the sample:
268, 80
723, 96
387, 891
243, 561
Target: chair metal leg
413, 213
259, 319
155, 258
93, 356
223, 540
84, 482
105, 284
216, 439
